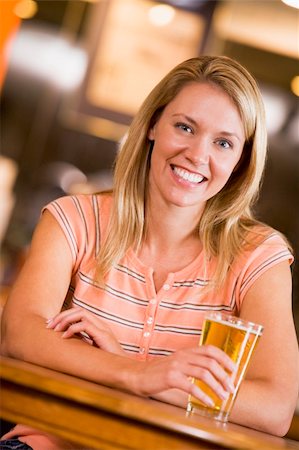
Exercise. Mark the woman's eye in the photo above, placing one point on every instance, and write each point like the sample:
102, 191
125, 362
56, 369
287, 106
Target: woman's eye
224, 143
184, 127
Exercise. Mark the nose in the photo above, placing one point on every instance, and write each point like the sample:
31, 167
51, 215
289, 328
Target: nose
199, 152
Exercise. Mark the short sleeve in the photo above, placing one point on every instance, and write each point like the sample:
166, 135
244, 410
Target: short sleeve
253, 264
76, 217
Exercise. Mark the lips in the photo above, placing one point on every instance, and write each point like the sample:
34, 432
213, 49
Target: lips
185, 175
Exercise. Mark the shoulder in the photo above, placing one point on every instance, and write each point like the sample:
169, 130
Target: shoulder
81, 218
265, 240
82, 205
263, 248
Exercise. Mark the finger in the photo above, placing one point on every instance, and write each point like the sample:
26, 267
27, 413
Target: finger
51, 323
195, 391
222, 390
185, 384
74, 329
210, 366
219, 355
72, 315
67, 321
76, 315
88, 330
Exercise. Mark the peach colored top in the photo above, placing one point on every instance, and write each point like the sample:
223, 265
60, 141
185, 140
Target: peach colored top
150, 324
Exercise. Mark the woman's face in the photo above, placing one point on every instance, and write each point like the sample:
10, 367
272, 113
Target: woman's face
199, 139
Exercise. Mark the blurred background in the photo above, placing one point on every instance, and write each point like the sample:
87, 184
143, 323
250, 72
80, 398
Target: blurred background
73, 73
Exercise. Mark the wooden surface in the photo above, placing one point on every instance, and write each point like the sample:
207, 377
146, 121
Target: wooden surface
98, 417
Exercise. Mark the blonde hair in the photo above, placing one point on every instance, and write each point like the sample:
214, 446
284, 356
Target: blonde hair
227, 216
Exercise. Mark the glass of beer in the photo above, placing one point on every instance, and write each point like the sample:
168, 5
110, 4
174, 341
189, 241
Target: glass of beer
238, 339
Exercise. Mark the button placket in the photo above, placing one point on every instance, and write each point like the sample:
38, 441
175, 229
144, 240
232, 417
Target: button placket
149, 320
148, 325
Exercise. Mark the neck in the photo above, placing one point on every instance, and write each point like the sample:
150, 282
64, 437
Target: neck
171, 226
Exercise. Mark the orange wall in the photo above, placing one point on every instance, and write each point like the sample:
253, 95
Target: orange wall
9, 24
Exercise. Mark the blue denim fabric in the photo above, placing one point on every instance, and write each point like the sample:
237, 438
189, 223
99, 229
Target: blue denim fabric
14, 444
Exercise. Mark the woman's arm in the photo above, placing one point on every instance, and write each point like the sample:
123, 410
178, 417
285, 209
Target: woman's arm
268, 396
38, 295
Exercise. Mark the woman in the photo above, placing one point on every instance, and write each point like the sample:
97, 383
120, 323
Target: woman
135, 270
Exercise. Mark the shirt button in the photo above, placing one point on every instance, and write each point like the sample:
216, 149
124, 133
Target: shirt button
149, 320
146, 334
142, 350
166, 287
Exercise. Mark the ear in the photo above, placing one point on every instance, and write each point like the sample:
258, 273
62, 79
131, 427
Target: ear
151, 133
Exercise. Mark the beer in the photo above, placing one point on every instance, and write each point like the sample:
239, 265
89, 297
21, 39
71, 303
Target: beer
238, 339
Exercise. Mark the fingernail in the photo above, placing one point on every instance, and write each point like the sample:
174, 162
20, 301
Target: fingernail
49, 320
209, 402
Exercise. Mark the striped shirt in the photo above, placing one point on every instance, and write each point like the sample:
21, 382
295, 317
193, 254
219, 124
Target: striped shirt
148, 323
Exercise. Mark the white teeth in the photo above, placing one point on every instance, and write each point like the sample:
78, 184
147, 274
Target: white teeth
192, 177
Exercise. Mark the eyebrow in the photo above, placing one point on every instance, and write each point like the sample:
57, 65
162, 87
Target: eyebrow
193, 122
227, 133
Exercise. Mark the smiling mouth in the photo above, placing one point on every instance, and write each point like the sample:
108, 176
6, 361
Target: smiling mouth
191, 177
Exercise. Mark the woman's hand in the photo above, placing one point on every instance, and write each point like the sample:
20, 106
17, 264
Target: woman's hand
206, 363
79, 322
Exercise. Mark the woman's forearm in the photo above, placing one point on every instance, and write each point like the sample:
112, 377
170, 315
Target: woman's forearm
262, 406
47, 348
257, 406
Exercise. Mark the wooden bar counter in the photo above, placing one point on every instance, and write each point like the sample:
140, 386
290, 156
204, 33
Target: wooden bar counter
97, 417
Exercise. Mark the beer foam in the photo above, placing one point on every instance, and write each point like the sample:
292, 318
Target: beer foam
240, 324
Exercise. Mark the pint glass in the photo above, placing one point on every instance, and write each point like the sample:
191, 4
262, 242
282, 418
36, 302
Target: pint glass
238, 339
